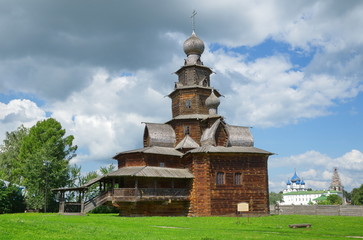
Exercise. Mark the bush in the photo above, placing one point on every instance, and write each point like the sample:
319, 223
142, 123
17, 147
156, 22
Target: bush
11, 199
105, 209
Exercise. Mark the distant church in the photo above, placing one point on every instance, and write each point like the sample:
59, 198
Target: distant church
296, 192
195, 164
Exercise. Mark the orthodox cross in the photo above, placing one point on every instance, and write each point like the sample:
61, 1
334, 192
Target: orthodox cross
193, 19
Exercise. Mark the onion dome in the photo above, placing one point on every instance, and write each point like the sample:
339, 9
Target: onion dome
302, 182
295, 178
212, 103
193, 45
193, 48
288, 182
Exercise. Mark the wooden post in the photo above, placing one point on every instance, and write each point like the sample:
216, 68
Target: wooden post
82, 201
136, 186
61, 202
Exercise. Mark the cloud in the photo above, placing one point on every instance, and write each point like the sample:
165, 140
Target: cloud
105, 116
18, 112
317, 169
271, 93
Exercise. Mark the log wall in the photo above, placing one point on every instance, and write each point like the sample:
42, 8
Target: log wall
210, 198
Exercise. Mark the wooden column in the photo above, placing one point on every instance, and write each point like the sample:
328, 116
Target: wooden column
136, 186
61, 202
82, 201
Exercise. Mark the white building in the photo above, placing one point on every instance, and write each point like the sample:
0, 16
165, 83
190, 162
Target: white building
296, 192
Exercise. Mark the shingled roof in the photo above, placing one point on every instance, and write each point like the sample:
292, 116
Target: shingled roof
239, 136
158, 134
186, 143
153, 150
233, 149
148, 171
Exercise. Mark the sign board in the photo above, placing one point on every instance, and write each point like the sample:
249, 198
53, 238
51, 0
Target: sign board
243, 207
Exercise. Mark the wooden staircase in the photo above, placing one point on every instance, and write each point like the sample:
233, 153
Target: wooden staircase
99, 200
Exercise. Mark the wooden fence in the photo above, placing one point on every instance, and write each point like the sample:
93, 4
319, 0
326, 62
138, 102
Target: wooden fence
330, 210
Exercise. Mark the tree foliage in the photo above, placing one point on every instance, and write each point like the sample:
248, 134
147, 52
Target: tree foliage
275, 198
45, 154
10, 164
11, 199
38, 159
357, 195
334, 199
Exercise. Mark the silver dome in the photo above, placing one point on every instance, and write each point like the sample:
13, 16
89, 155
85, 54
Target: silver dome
193, 45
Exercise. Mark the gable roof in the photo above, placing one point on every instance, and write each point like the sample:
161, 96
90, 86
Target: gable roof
187, 142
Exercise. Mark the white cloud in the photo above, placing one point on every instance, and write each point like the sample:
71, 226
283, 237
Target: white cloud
105, 117
317, 169
352, 160
17, 112
269, 92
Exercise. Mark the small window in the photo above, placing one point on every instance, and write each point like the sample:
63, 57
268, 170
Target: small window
162, 164
238, 178
188, 104
220, 178
186, 130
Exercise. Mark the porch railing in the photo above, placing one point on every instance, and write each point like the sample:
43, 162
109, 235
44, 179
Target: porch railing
150, 192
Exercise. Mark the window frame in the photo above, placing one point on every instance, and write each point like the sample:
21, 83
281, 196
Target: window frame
188, 104
220, 178
237, 178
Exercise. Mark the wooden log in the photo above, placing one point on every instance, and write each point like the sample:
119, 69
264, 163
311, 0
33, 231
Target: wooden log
301, 225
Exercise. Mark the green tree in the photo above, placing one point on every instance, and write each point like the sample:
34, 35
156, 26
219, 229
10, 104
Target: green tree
44, 156
107, 169
347, 195
11, 199
357, 195
334, 199
10, 164
275, 198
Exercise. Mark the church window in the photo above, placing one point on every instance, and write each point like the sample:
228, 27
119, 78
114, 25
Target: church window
220, 178
188, 104
238, 178
186, 130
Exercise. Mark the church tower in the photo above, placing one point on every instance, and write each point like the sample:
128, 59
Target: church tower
194, 102
336, 184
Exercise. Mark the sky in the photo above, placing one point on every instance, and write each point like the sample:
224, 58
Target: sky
291, 70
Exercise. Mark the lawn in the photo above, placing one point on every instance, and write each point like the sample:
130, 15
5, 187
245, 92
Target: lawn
108, 226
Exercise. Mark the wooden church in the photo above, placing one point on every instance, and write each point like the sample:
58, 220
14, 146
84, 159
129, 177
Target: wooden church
195, 164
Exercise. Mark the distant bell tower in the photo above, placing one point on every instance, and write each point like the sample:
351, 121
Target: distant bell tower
336, 184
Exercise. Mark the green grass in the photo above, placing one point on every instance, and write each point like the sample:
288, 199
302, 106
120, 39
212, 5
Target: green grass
108, 226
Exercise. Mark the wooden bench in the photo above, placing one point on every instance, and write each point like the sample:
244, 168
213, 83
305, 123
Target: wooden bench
301, 225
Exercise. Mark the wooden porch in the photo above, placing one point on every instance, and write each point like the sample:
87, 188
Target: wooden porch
125, 186
119, 195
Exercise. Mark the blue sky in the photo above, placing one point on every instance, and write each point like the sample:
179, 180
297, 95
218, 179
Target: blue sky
291, 70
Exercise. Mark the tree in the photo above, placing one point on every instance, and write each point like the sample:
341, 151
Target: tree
357, 195
11, 199
44, 156
275, 198
9, 155
334, 199
107, 169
